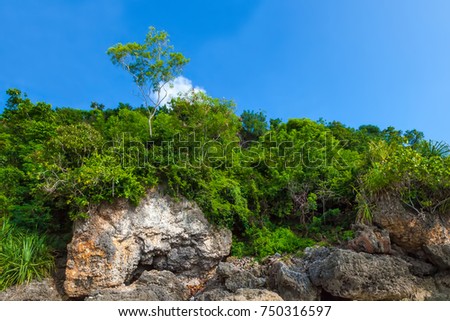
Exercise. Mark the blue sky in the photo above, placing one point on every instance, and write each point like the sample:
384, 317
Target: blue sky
360, 62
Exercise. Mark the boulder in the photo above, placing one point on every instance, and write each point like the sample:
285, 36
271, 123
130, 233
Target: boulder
118, 240
361, 276
408, 229
235, 278
291, 282
437, 286
43, 290
370, 239
243, 294
439, 255
442, 282
419, 268
151, 286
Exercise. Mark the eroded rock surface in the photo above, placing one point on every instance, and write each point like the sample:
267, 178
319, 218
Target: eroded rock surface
151, 286
243, 294
36, 290
361, 276
237, 280
234, 278
370, 239
408, 229
439, 255
109, 248
291, 282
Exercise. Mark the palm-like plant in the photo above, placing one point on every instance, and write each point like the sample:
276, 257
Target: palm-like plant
23, 257
433, 148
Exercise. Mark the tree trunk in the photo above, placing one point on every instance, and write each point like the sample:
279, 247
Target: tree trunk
150, 125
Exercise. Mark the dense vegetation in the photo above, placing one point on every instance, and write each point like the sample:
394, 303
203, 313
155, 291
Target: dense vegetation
279, 186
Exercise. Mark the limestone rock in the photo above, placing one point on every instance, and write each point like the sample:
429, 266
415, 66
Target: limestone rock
243, 294
442, 281
370, 239
44, 290
439, 255
109, 247
291, 283
408, 229
361, 276
151, 286
418, 267
235, 278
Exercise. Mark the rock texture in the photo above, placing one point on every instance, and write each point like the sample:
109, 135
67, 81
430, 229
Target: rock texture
291, 282
237, 280
439, 255
370, 239
166, 250
409, 230
239, 295
442, 283
117, 240
361, 276
151, 286
44, 290
234, 278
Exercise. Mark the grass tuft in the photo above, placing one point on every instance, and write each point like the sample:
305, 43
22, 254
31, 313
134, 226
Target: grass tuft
23, 256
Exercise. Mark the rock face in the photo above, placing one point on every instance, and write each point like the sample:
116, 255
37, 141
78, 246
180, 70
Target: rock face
166, 250
439, 255
44, 290
361, 276
151, 286
370, 239
237, 280
291, 282
442, 283
118, 240
409, 230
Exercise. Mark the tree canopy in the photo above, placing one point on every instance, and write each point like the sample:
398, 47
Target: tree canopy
152, 64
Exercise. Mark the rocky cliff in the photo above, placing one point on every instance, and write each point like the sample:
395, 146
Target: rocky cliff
414, 232
166, 250
119, 241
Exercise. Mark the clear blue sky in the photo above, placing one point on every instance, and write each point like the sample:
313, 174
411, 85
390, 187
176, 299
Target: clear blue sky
381, 62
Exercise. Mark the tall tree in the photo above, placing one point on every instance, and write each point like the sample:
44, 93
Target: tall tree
152, 64
254, 125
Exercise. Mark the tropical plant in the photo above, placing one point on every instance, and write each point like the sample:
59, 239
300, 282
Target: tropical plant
23, 257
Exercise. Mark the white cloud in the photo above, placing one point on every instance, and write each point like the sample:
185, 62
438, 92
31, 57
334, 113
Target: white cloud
177, 87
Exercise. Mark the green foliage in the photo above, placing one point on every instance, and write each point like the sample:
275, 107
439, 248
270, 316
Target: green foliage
432, 148
419, 179
239, 248
254, 125
348, 235
152, 64
100, 178
364, 213
23, 257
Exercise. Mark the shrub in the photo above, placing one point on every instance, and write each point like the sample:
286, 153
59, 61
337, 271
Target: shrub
239, 248
279, 240
23, 257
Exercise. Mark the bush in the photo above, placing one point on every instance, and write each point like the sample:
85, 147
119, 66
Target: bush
23, 257
239, 248
281, 240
